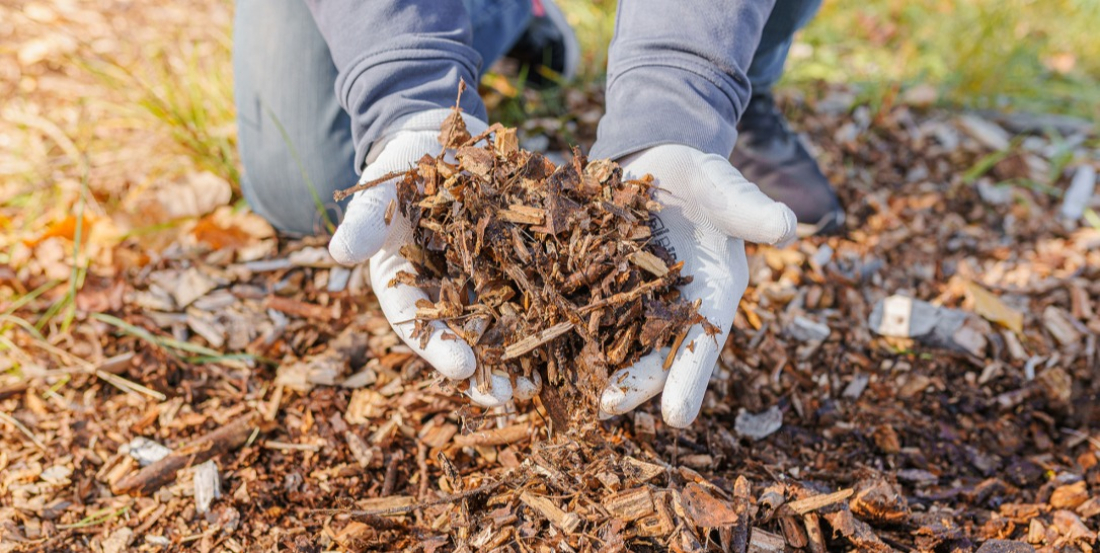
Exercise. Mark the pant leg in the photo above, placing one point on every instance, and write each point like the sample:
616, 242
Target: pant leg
294, 138
787, 17
497, 25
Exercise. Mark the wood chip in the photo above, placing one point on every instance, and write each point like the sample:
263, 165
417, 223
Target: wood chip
816, 502
645, 426
706, 510
394, 503
207, 486
531, 342
524, 215
363, 455
762, 541
649, 262
567, 522
660, 523
1081, 190
1069, 496
630, 505
1061, 326
300, 309
814, 535
639, 472
496, 436
794, 531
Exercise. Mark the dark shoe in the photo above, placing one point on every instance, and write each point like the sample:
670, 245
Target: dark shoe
770, 155
548, 49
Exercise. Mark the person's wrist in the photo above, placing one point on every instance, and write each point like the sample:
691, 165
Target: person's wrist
428, 122
431, 120
636, 122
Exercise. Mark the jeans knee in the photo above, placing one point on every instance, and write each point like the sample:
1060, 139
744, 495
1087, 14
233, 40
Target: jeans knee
290, 199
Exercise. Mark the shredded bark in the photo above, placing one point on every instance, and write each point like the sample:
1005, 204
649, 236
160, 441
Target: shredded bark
539, 266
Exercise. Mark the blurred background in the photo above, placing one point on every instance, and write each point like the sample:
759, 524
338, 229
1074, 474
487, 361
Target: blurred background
117, 130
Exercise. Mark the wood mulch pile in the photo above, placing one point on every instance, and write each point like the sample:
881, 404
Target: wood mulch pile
549, 272
925, 382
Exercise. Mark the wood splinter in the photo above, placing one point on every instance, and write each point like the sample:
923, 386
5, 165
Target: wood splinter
531, 342
817, 502
566, 521
496, 436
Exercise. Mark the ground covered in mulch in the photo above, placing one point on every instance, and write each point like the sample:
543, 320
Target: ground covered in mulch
823, 428
923, 382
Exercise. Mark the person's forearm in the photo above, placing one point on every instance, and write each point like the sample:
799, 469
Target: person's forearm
676, 74
396, 58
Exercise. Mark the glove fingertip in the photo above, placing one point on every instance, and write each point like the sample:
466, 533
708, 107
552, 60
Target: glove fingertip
786, 232
454, 359
349, 247
611, 400
688, 380
527, 388
340, 250
772, 223
677, 413
499, 392
633, 386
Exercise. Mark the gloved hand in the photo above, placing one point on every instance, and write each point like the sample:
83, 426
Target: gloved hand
709, 210
364, 234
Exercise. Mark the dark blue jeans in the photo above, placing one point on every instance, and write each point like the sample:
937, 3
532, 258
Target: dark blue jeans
295, 139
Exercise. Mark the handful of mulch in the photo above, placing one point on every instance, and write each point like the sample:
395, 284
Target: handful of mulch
539, 267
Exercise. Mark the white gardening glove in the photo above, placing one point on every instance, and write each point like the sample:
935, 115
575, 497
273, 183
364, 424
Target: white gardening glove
363, 234
709, 210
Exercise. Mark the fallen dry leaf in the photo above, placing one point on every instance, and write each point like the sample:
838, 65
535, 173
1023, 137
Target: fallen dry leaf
993, 309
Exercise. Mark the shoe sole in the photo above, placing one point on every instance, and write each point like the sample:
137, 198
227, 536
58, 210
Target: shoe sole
829, 224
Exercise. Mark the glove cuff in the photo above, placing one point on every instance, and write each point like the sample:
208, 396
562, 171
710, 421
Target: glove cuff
425, 121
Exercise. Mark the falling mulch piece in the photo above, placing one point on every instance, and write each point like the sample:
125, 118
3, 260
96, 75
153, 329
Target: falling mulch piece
539, 267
